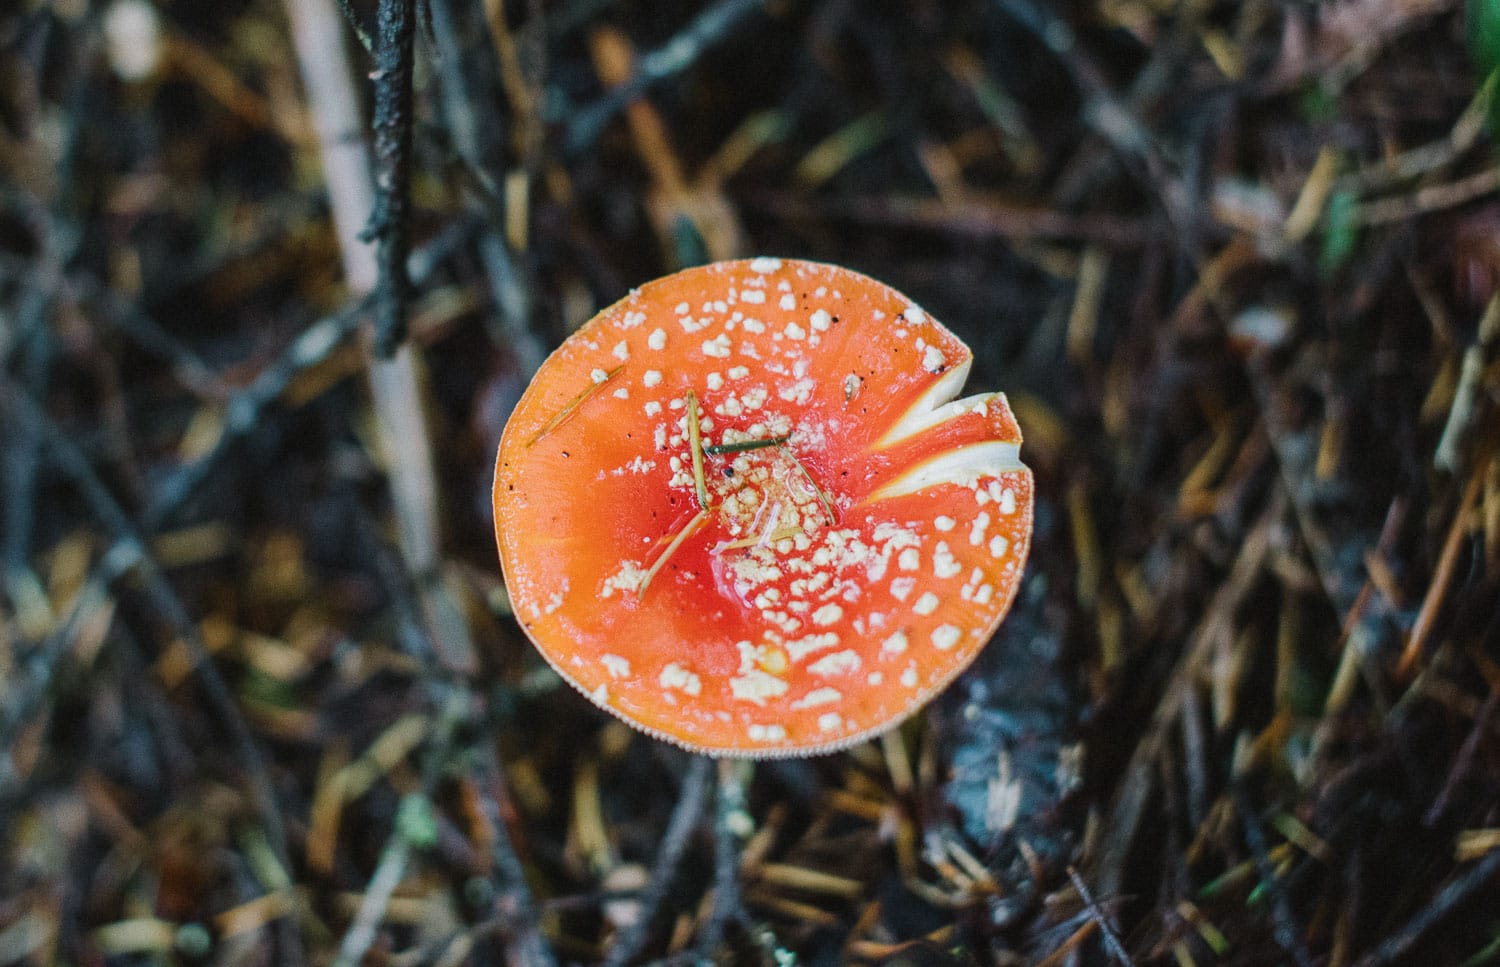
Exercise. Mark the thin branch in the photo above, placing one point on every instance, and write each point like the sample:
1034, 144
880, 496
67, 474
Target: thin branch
131, 547
1097, 915
674, 843
670, 59
396, 27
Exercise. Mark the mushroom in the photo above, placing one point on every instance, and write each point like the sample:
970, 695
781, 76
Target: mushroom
738, 509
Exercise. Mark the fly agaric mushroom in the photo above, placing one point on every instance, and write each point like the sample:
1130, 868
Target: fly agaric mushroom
738, 510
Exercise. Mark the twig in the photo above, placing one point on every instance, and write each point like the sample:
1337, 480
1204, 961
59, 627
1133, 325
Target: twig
1284, 924
669, 853
395, 29
695, 444
134, 556
1466, 395
1442, 578
730, 816
398, 848
461, 67
1097, 915
1430, 199
351, 16
530, 947
675, 56
1395, 948
1464, 760
245, 410
401, 427
979, 217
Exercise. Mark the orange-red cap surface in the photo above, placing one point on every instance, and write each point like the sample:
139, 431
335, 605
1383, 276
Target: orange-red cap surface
837, 578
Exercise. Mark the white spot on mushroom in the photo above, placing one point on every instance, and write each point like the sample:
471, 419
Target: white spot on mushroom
910, 559
819, 696
622, 393
945, 637
901, 587
827, 615
802, 647
717, 347
838, 663
799, 392
909, 676
757, 686
895, 644
627, 578
753, 296
944, 523
926, 604
765, 733
657, 340
675, 676
915, 314
976, 533
738, 372
715, 381
998, 546
1007, 501
765, 264
794, 331
829, 721
598, 375
653, 408
682, 308
617, 666
788, 302
600, 695
651, 378
933, 359
621, 350
943, 563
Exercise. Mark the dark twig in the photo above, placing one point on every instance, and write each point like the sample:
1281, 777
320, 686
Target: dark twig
1396, 948
730, 817
243, 414
396, 27
134, 556
1284, 924
356, 25
674, 842
530, 946
453, 696
670, 59
1463, 762
461, 64
453, 706
1096, 913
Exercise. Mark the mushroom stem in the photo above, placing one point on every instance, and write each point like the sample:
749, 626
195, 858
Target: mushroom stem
695, 440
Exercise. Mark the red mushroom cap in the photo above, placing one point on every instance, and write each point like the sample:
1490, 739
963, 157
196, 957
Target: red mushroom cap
738, 510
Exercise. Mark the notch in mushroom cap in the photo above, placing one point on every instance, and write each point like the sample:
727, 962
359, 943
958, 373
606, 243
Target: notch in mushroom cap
738, 509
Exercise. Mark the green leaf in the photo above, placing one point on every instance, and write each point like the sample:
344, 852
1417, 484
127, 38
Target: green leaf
1340, 230
416, 821
1482, 18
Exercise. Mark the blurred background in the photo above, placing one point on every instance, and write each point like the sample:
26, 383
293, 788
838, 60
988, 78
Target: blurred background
273, 274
